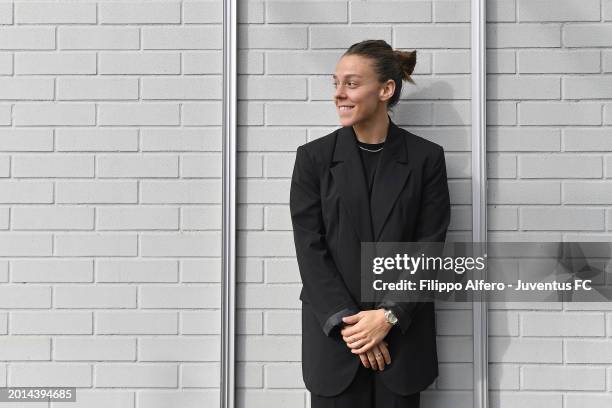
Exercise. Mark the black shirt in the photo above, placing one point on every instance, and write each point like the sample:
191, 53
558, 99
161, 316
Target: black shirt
370, 159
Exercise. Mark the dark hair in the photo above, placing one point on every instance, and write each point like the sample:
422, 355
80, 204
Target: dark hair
387, 62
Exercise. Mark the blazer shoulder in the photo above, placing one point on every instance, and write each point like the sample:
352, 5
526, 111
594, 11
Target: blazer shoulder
423, 146
320, 149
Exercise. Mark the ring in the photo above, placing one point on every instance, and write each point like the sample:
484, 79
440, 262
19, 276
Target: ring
378, 354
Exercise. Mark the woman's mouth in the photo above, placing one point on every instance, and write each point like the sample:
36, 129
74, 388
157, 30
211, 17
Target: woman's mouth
345, 108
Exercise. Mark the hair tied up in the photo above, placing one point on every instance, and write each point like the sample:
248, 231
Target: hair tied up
407, 61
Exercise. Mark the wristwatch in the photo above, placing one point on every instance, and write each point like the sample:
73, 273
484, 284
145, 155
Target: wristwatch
390, 316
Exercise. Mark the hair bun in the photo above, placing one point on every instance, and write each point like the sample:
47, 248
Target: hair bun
407, 61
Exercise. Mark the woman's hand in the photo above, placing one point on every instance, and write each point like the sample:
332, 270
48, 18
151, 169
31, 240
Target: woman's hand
376, 357
366, 329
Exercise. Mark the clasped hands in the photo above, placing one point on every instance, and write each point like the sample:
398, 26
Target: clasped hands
364, 334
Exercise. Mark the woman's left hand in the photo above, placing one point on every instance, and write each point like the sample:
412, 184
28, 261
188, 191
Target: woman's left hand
366, 329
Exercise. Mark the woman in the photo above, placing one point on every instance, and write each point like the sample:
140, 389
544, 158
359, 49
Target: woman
369, 181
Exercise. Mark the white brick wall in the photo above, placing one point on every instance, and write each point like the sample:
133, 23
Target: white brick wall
110, 188
553, 85
110, 197
287, 53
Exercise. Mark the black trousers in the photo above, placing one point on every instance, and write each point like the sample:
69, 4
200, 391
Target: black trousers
366, 391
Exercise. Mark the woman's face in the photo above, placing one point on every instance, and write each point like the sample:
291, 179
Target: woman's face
357, 87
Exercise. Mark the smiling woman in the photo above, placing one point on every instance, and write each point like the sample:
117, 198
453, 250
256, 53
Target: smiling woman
365, 354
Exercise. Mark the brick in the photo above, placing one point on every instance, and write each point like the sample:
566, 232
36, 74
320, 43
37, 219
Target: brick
184, 244
205, 348
283, 376
139, 63
140, 13
501, 10
306, 12
55, 165
391, 12
523, 139
561, 218
100, 88
84, 244
510, 35
519, 350
587, 35
137, 218
200, 322
25, 244
185, 296
17, 140
329, 36
54, 114
51, 270
145, 114
62, 322
558, 61
180, 139
559, 113
54, 63
136, 322
271, 37
56, 13
181, 38
523, 87
563, 378
98, 38
587, 192
524, 192
553, 10
202, 218
93, 297
182, 88
26, 88
136, 270
212, 12
432, 36
563, 325
135, 375
96, 139
587, 87
25, 348
501, 166
27, 38
52, 218
50, 375
200, 375
94, 348
114, 192
560, 166
136, 165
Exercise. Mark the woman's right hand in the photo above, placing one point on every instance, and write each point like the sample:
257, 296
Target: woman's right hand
369, 359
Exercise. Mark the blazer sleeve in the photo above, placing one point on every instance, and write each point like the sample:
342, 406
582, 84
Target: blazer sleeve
322, 283
432, 226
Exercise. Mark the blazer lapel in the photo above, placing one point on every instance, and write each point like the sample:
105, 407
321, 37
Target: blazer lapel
369, 216
350, 180
390, 178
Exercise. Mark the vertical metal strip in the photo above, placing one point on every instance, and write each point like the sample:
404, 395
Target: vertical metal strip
228, 284
479, 193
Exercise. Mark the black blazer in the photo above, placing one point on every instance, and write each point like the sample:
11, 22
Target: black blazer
331, 216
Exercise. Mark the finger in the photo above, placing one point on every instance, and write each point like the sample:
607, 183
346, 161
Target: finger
379, 358
385, 351
366, 347
372, 360
358, 343
364, 360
